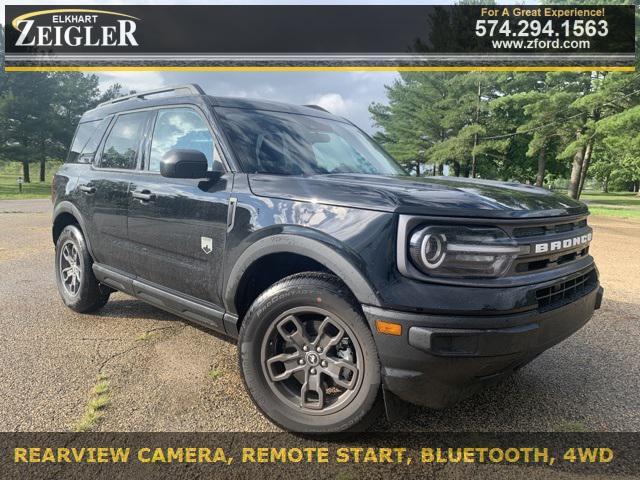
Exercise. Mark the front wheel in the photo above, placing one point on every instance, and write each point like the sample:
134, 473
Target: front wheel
308, 358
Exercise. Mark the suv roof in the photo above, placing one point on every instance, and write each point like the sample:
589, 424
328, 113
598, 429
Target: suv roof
173, 94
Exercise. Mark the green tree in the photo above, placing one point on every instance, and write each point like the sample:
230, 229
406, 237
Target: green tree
26, 118
621, 139
464, 119
504, 148
39, 113
513, 126
607, 94
412, 124
436, 119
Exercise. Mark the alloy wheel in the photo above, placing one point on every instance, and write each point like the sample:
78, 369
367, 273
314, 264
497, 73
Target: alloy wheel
70, 268
312, 360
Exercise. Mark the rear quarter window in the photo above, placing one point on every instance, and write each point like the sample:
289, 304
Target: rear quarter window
86, 141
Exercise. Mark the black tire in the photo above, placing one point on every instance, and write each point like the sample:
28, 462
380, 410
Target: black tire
312, 299
86, 294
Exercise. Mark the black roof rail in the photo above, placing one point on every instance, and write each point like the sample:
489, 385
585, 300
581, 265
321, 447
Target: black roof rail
191, 89
317, 107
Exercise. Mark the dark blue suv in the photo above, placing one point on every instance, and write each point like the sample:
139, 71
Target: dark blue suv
346, 282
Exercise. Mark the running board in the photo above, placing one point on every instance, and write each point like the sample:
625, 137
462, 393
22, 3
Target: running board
196, 312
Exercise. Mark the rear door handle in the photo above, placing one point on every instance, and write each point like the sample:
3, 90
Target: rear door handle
144, 195
88, 189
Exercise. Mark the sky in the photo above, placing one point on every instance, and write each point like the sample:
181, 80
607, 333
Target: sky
347, 94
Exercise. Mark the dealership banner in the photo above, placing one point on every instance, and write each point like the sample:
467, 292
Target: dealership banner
281, 455
324, 37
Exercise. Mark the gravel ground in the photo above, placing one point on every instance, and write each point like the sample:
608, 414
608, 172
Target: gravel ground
159, 367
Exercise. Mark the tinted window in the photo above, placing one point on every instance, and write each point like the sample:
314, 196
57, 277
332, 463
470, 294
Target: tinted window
121, 147
293, 144
180, 128
89, 150
86, 141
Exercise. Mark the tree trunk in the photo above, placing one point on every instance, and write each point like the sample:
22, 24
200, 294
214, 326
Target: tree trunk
587, 155
456, 169
576, 169
585, 165
473, 156
43, 164
605, 184
542, 164
441, 169
417, 169
25, 172
475, 136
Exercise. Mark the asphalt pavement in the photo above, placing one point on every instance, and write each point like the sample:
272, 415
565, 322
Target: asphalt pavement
167, 375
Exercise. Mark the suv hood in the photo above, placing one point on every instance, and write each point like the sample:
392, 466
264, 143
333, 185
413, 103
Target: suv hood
439, 196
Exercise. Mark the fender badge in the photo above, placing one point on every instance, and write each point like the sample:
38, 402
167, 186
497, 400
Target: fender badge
206, 244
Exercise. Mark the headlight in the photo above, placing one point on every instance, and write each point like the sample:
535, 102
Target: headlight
456, 251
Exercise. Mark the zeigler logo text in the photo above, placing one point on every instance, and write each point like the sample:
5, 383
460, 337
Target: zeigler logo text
75, 28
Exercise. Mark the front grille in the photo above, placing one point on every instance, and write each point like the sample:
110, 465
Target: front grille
523, 232
566, 291
528, 236
527, 265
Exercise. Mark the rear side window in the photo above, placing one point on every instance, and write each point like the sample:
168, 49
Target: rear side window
121, 146
86, 141
180, 128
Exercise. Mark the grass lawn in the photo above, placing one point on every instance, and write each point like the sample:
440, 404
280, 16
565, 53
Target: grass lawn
9, 173
35, 189
620, 205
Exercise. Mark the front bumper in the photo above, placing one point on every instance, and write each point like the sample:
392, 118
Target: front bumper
438, 360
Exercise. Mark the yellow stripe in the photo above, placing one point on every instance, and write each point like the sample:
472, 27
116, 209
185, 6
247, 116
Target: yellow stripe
352, 68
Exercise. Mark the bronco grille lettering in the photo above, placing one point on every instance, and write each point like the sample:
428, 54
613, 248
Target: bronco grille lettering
562, 244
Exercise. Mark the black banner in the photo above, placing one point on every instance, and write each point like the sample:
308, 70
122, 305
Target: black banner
319, 35
279, 455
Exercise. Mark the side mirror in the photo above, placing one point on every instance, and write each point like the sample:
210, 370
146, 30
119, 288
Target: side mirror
184, 164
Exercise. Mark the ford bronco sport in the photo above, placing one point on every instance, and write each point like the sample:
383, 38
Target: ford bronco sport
346, 282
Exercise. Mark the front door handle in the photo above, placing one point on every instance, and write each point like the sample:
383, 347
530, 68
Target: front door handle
88, 189
144, 195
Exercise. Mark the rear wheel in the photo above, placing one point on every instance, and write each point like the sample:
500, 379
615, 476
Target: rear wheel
308, 358
77, 285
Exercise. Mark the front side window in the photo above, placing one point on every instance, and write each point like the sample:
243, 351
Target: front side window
180, 128
293, 144
121, 146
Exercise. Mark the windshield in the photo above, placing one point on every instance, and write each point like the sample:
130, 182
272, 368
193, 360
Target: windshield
292, 144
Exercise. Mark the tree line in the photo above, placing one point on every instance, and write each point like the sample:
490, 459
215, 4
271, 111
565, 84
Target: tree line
525, 126
533, 127
39, 113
